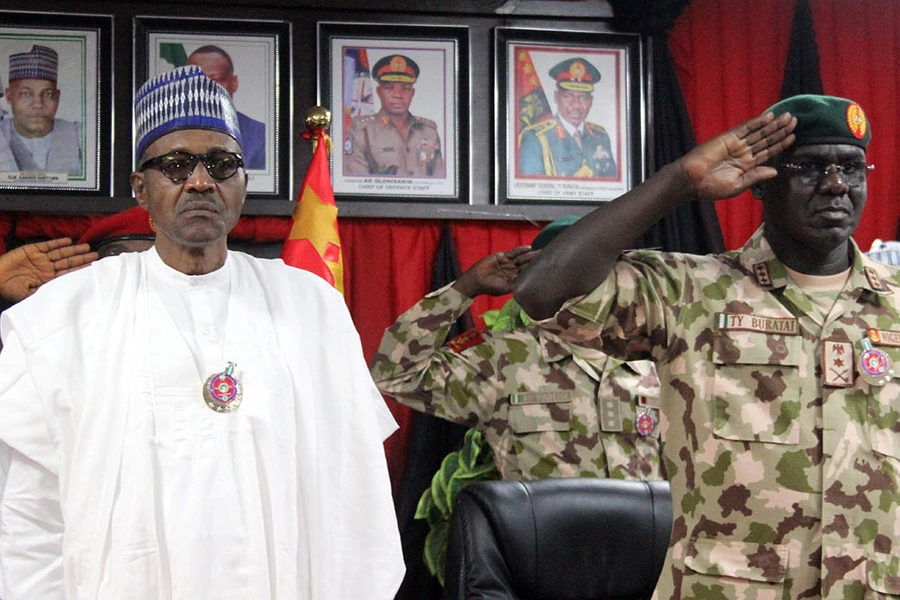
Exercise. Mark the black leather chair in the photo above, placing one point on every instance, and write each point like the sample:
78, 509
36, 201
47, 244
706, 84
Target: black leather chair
558, 539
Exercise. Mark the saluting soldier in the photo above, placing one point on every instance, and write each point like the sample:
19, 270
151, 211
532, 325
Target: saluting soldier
393, 141
567, 145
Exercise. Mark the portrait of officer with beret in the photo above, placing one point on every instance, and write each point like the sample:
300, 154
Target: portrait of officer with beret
567, 144
393, 141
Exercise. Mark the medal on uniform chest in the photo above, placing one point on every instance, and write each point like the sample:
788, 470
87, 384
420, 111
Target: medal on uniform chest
875, 366
646, 422
222, 391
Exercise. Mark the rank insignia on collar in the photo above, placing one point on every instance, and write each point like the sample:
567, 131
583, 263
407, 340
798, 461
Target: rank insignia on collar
761, 270
465, 340
875, 280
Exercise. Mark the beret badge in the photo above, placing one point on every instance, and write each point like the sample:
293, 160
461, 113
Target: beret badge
856, 120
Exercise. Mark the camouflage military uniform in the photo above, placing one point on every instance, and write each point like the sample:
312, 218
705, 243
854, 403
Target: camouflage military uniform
546, 148
542, 414
376, 147
783, 464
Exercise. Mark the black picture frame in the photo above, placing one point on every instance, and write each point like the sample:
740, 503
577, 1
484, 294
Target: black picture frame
81, 133
260, 52
440, 54
538, 158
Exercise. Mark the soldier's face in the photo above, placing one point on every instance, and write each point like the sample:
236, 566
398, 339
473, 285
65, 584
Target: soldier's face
819, 212
34, 103
573, 106
395, 96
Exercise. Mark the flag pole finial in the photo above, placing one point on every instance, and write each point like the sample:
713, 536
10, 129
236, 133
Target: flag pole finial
318, 119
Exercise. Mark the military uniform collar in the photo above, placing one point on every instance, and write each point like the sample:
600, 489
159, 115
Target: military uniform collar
770, 273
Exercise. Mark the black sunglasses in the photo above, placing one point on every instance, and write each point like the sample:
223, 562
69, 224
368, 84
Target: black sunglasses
178, 166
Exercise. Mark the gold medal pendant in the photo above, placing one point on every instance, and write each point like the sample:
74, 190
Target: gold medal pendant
222, 391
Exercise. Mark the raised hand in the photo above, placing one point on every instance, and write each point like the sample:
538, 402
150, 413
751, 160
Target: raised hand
495, 273
730, 163
24, 269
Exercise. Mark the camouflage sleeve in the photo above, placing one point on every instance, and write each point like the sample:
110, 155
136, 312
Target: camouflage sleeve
627, 314
414, 367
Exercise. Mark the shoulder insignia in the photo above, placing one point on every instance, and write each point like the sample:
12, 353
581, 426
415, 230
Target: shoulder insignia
465, 340
595, 128
364, 120
542, 127
424, 121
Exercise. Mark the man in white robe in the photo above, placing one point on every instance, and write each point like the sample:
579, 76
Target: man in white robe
123, 474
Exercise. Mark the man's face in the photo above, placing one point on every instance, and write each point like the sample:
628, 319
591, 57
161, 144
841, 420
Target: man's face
217, 68
812, 207
573, 106
34, 103
395, 96
196, 212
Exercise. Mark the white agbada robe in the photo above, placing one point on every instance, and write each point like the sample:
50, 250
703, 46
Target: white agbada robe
119, 482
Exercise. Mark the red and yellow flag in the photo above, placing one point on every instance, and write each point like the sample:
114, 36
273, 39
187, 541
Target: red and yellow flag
313, 243
530, 97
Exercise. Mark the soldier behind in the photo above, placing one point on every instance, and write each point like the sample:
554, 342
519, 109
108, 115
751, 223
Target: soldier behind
567, 145
545, 411
393, 141
779, 402
37, 139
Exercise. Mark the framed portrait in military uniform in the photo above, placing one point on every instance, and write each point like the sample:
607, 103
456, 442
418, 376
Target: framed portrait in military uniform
399, 119
251, 60
55, 82
570, 119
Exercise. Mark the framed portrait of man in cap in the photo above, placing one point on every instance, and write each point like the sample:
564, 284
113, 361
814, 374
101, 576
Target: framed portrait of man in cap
55, 85
395, 94
250, 60
570, 120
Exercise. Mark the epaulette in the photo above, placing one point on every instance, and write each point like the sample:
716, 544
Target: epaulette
364, 120
465, 340
596, 127
425, 121
541, 127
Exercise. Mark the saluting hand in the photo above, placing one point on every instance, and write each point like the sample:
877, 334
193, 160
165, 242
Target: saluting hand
730, 163
495, 273
24, 269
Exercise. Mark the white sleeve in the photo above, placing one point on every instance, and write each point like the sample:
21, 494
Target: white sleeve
31, 524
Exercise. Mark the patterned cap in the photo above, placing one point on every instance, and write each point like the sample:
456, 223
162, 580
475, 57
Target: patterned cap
41, 62
183, 98
575, 74
826, 120
396, 67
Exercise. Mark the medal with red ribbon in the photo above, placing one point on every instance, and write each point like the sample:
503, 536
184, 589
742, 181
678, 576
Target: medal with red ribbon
874, 365
222, 391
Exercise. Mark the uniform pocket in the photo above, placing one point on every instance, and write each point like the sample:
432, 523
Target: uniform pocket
884, 411
740, 569
533, 418
883, 575
756, 387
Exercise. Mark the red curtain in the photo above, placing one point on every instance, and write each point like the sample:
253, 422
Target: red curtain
730, 57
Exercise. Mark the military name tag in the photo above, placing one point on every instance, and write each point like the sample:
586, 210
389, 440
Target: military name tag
884, 337
763, 324
542, 397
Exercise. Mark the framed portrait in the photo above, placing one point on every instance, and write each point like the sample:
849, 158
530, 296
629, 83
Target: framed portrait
55, 113
251, 60
398, 97
569, 118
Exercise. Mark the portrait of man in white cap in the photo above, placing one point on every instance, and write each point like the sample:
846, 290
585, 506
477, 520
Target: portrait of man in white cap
38, 140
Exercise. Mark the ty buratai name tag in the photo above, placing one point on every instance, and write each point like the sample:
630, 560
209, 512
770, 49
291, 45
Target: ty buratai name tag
743, 322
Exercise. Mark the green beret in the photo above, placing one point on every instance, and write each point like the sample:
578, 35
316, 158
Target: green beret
826, 120
575, 74
395, 67
546, 235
